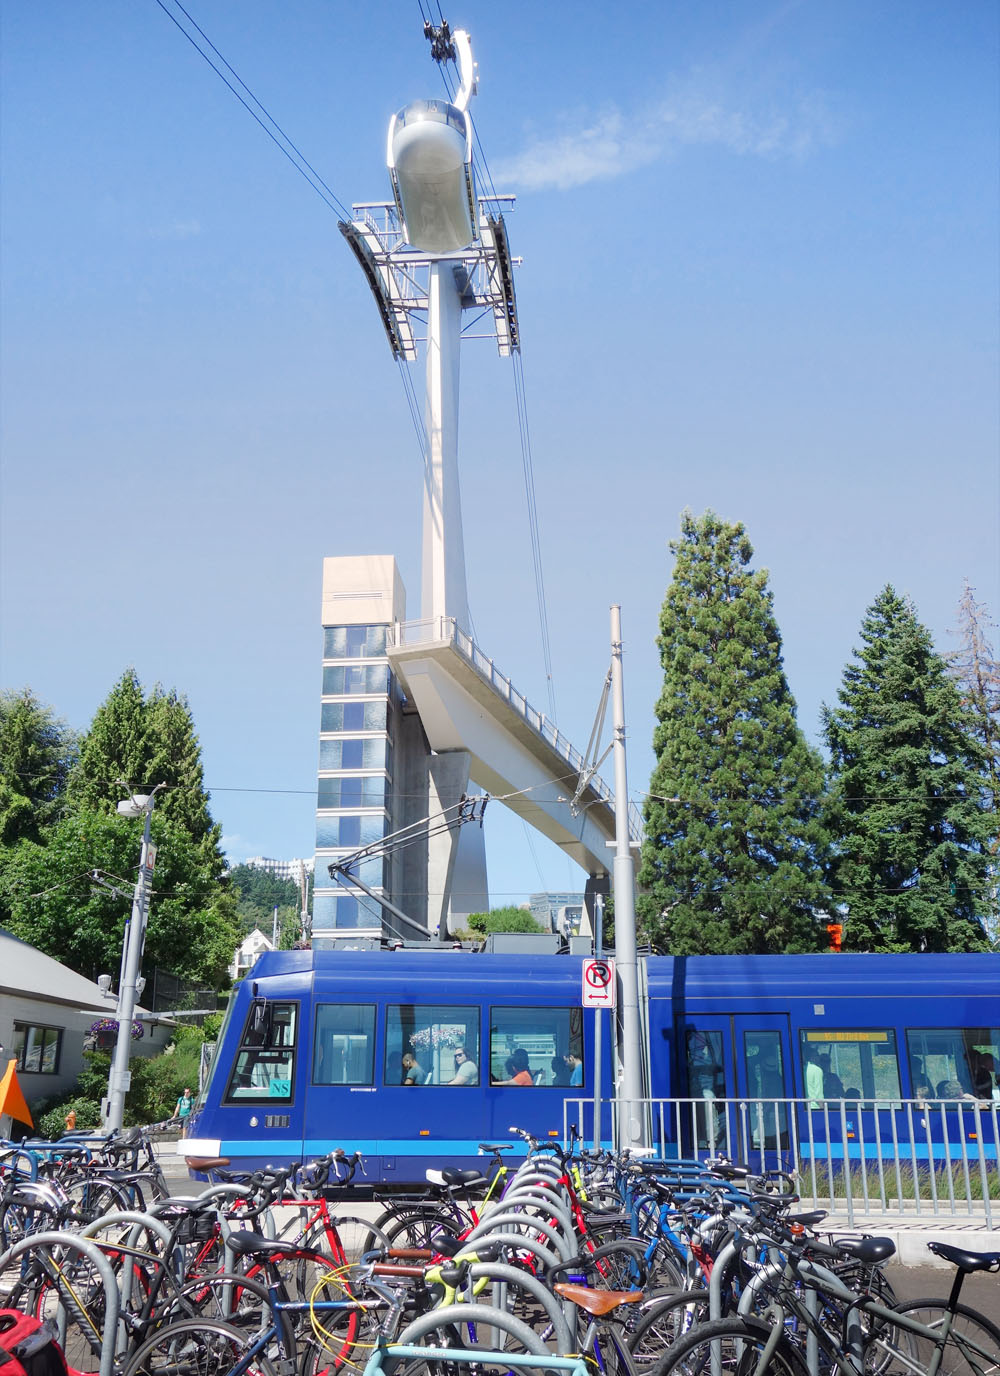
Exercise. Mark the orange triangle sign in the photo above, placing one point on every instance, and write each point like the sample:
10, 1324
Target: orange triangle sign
11, 1098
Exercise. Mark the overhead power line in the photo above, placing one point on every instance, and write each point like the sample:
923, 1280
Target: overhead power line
275, 132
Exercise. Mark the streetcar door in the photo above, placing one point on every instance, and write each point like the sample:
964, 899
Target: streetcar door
764, 1079
736, 1074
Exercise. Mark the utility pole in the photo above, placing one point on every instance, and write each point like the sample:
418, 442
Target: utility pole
135, 937
631, 1110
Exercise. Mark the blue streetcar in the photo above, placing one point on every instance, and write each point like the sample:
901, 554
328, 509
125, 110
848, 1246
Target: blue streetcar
415, 1056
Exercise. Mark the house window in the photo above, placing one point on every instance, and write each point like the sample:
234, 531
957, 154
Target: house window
37, 1048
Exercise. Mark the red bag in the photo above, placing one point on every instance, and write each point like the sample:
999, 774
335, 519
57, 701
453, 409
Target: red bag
28, 1346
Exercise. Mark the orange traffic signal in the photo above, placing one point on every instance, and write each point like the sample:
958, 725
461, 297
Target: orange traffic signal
835, 930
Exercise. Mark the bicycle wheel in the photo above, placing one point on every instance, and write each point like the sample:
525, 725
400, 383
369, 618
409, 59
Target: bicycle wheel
228, 1297
194, 1347
93, 1198
737, 1344
419, 1229
473, 1332
972, 1348
665, 1321
617, 1266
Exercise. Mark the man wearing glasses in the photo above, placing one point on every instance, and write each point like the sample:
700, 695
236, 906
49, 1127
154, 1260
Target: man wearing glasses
466, 1070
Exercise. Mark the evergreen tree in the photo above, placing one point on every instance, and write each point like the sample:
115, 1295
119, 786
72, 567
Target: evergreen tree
36, 753
146, 741
735, 840
908, 774
258, 893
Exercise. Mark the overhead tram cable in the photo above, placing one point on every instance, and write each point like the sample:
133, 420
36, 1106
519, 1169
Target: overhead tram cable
275, 133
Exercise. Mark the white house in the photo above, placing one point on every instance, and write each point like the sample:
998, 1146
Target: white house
247, 952
46, 1014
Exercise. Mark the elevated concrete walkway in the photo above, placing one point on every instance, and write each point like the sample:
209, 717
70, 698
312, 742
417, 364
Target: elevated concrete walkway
466, 704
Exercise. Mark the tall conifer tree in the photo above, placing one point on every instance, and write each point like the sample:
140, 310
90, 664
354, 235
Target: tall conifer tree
908, 774
36, 753
146, 740
735, 840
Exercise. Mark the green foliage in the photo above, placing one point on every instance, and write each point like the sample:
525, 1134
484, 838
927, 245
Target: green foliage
47, 891
509, 919
157, 1082
910, 795
53, 902
36, 753
52, 1123
146, 741
735, 838
258, 893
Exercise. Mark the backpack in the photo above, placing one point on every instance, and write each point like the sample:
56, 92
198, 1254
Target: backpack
28, 1346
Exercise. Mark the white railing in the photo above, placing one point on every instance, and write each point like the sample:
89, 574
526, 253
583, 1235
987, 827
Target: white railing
905, 1158
443, 630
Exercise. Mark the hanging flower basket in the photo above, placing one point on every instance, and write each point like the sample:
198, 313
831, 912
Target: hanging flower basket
103, 1026
440, 1036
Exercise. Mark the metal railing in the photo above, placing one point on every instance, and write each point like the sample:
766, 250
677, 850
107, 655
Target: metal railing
906, 1158
440, 630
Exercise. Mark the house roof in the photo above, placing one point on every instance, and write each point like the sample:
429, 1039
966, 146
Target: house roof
27, 972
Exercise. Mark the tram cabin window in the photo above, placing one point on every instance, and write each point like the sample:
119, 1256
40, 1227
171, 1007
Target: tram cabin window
265, 1063
537, 1046
850, 1065
344, 1044
431, 1044
946, 1060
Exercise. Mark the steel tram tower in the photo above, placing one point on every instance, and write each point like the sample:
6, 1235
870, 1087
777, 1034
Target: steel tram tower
433, 252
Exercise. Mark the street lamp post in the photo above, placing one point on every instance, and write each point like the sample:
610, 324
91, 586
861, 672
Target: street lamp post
135, 937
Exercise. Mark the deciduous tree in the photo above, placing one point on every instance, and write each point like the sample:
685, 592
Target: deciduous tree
735, 840
908, 775
55, 902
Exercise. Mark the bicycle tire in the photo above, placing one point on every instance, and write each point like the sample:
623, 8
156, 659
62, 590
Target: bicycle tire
664, 1323
419, 1230
972, 1347
740, 1344
461, 1330
227, 1297
194, 1347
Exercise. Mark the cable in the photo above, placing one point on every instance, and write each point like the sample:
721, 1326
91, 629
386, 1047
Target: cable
317, 183
536, 549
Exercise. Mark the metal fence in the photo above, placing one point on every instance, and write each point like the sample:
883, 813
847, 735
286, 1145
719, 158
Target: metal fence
906, 1159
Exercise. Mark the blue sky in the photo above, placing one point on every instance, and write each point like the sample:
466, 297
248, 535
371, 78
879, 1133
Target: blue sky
760, 274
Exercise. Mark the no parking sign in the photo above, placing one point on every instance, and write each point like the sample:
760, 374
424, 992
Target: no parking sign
598, 984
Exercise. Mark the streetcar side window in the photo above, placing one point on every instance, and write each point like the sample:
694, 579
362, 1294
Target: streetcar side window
265, 1062
850, 1065
344, 1044
537, 1046
951, 1062
431, 1044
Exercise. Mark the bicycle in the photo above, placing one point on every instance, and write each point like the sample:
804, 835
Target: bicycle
921, 1338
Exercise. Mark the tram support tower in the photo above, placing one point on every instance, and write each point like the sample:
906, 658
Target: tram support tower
443, 591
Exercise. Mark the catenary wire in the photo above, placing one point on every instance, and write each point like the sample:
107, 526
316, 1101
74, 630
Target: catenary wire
303, 166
